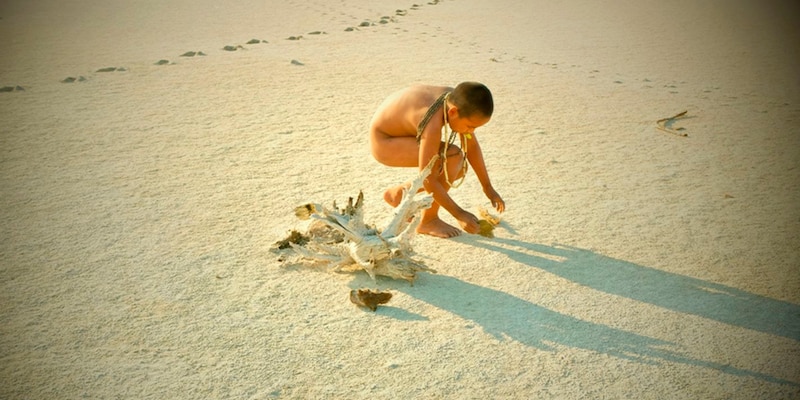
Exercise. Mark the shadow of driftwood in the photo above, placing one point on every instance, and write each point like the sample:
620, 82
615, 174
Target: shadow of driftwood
671, 291
503, 315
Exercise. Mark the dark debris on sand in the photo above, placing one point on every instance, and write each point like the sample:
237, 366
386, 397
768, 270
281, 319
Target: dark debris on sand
369, 298
294, 237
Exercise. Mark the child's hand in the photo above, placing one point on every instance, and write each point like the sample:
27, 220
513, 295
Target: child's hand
469, 223
497, 201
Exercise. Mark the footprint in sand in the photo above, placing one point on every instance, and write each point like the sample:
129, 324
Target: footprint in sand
193, 53
672, 86
15, 88
112, 69
71, 79
238, 46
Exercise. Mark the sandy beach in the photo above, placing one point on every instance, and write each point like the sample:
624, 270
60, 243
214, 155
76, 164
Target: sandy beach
141, 189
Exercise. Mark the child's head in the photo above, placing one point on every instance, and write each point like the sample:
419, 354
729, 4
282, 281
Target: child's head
472, 99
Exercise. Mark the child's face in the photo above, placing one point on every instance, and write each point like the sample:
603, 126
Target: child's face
469, 124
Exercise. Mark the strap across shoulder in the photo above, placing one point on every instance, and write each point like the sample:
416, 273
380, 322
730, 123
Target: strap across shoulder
429, 114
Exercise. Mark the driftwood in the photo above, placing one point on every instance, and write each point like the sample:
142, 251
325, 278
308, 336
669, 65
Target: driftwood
341, 241
665, 124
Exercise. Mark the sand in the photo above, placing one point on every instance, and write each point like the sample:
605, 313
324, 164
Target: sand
139, 205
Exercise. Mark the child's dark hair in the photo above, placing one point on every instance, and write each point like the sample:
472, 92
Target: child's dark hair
472, 98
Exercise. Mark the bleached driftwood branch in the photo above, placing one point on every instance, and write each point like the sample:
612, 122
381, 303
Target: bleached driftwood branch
342, 241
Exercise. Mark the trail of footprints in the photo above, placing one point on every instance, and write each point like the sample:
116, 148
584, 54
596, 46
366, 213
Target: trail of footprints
232, 48
646, 83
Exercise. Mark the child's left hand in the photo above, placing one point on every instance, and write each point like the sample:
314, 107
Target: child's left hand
497, 201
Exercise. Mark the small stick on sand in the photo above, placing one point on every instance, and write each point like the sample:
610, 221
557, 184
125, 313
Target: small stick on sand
665, 124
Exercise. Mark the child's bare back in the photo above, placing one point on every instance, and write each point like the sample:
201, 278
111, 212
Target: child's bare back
398, 116
406, 131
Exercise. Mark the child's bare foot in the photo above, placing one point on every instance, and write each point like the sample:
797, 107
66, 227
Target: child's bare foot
437, 227
394, 195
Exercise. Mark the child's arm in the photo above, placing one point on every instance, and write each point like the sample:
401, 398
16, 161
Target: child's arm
475, 158
429, 147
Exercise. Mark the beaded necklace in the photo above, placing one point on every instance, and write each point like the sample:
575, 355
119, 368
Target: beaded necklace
451, 138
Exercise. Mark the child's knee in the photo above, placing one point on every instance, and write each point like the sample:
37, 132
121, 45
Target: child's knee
455, 163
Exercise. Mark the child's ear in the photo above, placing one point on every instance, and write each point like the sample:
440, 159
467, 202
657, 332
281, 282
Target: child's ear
452, 112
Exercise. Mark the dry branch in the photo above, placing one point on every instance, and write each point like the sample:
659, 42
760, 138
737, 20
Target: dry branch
665, 124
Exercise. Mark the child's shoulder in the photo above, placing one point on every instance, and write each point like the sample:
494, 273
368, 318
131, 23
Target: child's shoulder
420, 96
428, 90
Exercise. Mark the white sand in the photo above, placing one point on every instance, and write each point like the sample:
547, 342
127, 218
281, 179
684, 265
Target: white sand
138, 207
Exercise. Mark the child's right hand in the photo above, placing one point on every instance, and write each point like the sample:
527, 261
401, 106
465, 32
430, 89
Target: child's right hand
469, 222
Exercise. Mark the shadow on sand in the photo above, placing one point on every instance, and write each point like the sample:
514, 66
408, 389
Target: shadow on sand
501, 314
648, 285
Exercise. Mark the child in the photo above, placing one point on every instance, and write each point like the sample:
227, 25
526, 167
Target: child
407, 131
